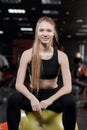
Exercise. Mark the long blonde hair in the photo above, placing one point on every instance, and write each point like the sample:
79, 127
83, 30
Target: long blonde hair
36, 58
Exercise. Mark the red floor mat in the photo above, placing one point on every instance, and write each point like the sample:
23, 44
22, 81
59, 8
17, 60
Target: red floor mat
3, 126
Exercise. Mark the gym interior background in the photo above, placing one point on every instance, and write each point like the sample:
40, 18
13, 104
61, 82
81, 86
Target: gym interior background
17, 24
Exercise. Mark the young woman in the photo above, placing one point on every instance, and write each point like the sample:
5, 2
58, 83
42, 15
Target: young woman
43, 92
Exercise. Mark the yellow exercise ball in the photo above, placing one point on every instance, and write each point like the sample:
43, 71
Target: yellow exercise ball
48, 120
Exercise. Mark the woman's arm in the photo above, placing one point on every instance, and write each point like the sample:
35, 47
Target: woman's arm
67, 84
25, 59
66, 75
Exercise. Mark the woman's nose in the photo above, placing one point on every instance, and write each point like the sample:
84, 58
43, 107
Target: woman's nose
45, 33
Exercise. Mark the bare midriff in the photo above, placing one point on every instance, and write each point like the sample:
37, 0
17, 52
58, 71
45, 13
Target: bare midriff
48, 83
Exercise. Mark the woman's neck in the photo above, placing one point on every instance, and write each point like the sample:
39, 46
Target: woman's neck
46, 48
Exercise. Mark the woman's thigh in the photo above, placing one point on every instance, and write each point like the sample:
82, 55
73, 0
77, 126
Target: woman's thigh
64, 102
67, 99
17, 99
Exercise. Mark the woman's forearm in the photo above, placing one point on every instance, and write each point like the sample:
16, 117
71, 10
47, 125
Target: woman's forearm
64, 90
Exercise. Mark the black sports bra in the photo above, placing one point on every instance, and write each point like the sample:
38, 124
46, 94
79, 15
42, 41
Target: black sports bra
50, 67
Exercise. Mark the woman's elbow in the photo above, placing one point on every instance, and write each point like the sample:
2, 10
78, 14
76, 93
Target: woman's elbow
69, 89
17, 86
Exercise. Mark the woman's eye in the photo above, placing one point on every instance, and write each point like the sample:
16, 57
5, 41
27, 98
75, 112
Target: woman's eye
40, 30
49, 30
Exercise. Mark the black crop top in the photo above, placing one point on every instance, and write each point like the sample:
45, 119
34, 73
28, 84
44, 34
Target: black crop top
50, 67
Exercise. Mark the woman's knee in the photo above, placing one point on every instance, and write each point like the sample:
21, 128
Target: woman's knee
69, 102
14, 98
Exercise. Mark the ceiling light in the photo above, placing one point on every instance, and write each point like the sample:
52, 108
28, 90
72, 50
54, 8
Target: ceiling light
6, 18
80, 34
20, 18
69, 36
55, 2
84, 26
17, 11
1, 32
26, 29
79, 20
67, 12
11, 1
50, 12
33, 9
82, 30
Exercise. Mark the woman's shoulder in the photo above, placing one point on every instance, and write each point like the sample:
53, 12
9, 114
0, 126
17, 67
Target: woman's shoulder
62, 56
27, 54
28, 51
61, 53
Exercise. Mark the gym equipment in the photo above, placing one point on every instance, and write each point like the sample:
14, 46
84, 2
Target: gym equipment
48, 120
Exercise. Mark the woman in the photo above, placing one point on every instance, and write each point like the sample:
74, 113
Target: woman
43, 92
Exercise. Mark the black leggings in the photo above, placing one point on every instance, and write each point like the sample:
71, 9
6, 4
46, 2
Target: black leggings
65, 104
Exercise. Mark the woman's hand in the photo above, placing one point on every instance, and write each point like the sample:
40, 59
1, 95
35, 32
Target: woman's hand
35, 104
45, 103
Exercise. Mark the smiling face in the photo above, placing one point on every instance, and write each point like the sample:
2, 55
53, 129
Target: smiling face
45, 33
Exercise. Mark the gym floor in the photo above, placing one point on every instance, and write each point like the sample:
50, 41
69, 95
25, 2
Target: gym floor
81, 115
